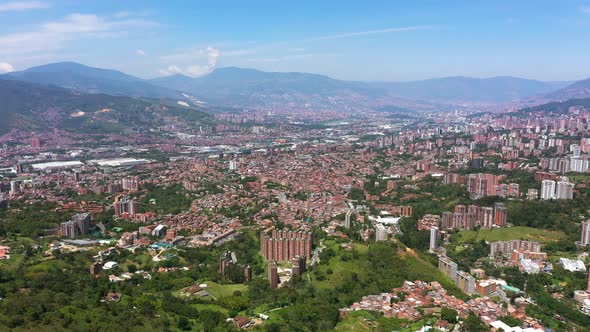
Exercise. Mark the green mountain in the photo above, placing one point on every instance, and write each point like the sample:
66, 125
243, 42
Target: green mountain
560, 107
78, 77
40, 107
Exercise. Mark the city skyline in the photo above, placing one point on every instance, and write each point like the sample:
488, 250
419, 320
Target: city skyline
376, 41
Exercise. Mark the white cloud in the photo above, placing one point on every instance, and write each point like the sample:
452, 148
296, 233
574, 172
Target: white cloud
19, 6
211, 55
171, 70
140, 52
51, 36
6, 68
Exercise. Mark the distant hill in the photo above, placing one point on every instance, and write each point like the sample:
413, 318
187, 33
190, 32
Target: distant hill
78, 77
241, 87
251, 87
30, 106
558, 106
580, 89
470, 90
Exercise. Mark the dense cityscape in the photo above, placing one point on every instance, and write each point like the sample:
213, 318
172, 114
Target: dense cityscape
212, 197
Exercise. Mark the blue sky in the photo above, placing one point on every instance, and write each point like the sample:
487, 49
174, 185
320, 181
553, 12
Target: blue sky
356, 40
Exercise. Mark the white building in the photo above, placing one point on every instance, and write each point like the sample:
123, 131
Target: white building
233, 165
433, 239
14, 188
380, 233
110, 265
548, 189
160, 230
585, 240
499, 325
575, 150
572, 265
347, 219
578, 165
564, 190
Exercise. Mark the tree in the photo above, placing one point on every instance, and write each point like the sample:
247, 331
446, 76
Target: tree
510, 321
474, 324
449, 315
183, 324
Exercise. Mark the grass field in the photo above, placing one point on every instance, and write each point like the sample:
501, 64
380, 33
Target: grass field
219, 291
213, 307
371, 321
510, 233
356, 321
579, 178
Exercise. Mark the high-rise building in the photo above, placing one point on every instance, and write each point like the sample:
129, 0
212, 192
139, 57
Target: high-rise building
227, 260
448, 267
433, 239
283, 245
547, 189
564, 190
380, 233
125, 206
35, 142
273, 275
347, 219
466, 282
78, 225
233, 165
585, 240
130, 184
477, 163
14, 188
500, 214
298, 265
248, 273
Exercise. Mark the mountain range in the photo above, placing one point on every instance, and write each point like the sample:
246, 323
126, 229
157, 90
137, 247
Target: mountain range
230, 86
457, 90
251, 87
70, 85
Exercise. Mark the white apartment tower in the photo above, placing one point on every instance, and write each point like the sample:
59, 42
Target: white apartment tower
548, 189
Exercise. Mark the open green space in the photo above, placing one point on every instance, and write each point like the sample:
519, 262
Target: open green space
377, 267
374, 321
210, 306
510, 233
218, 290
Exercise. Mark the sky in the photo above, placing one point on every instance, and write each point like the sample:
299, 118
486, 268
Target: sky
365, 40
